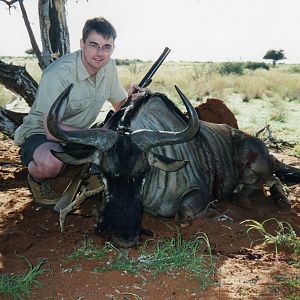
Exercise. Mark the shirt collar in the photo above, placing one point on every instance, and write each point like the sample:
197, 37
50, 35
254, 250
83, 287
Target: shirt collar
83, 73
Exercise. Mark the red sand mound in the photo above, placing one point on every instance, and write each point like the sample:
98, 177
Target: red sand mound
215, 111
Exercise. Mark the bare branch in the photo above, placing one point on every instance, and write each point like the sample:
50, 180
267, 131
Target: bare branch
6, 125
16, 79
34, 44
78, 200
270, 140
9, 3
55, 41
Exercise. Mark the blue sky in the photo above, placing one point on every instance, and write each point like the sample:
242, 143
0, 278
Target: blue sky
201, 30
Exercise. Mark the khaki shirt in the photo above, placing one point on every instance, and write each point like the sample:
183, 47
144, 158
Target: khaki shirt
86, 98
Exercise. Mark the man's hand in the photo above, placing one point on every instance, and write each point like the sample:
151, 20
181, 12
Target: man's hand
134, 91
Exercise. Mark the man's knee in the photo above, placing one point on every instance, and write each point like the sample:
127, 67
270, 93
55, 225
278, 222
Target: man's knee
45, 169
44, 164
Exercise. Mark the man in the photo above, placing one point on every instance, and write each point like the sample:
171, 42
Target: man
95, 79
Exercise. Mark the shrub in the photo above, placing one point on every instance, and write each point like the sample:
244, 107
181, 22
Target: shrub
295, 69
126, 61
231, 68
251, 65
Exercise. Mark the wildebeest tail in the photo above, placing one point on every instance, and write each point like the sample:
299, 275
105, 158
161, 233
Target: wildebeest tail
286, 173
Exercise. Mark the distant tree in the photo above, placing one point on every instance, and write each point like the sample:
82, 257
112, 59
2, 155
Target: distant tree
274, 55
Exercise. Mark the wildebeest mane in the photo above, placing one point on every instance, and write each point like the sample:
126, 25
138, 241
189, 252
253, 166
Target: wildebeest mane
124, 116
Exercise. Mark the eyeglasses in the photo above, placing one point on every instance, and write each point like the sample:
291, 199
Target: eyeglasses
107, 48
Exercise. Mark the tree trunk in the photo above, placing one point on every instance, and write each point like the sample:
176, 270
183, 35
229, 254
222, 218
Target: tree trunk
54, 29
55, 41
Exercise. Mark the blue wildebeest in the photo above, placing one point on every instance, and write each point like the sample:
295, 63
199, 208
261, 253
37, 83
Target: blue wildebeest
151, 157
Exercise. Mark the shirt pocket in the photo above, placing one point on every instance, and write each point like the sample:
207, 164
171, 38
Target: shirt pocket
76, 106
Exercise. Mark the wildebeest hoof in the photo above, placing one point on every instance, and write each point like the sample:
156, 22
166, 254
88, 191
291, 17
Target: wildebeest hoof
184, 216
132, 241
245, 202
146, 232
121, 243
283, 202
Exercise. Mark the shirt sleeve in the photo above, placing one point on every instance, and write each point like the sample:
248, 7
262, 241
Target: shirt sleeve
117, 92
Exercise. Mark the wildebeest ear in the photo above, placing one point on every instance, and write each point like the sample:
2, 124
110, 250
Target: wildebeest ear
165, 163
70, 160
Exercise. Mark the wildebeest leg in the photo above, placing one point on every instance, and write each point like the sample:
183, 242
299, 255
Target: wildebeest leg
277, 192
245, 194
191, 205
257, 167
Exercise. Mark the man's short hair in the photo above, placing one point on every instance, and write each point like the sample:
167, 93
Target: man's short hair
101, 26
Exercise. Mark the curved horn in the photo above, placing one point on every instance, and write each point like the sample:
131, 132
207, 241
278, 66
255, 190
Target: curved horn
98, 137
146, 139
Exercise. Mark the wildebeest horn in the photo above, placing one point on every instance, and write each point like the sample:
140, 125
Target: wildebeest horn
98, 137
145, 139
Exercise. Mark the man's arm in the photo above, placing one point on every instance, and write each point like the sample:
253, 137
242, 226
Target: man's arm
49, 136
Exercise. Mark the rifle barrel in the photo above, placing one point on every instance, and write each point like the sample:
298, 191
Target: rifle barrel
154, 68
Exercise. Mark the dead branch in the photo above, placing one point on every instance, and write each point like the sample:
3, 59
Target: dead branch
34, 44
17, 79
6, 125
55, 41
9, 3
78, 200
35, 47
267, 137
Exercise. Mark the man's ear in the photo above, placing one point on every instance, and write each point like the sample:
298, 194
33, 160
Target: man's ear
113, 49
81, 43
165, 163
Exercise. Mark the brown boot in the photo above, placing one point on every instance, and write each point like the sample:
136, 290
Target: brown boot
42, 192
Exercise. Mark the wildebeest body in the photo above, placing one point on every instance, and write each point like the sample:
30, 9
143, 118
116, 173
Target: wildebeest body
142, 156
210, 154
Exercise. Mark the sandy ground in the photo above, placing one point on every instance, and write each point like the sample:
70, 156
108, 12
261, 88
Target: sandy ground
243, 271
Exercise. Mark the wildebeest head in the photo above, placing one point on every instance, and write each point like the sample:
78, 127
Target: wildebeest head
124, 157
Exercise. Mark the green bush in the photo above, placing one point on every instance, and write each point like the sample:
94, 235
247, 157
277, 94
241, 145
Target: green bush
295, 69
126, 61
231, 68
252, 65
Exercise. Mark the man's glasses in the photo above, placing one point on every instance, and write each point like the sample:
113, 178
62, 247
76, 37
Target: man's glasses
107, 48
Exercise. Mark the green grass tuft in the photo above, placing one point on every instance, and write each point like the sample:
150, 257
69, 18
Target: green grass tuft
87, 250
19, 286
283, 235
171, 255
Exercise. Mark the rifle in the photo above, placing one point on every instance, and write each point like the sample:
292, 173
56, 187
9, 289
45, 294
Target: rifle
111, 116
74, 186
148, 77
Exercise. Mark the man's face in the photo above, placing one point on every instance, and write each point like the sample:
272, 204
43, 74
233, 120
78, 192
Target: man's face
96, 52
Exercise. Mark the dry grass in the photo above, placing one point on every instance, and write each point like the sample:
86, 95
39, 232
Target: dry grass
257, 97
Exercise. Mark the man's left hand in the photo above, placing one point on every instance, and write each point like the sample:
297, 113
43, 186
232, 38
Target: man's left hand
134, 91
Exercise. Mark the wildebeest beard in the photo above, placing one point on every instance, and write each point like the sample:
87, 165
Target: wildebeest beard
123, 213
123, 175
